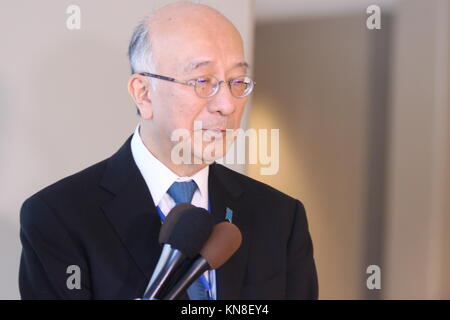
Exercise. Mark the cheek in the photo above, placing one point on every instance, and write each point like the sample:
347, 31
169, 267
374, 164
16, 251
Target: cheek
178, 109
190, 112
237, 115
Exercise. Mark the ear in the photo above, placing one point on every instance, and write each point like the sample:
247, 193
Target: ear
138, 88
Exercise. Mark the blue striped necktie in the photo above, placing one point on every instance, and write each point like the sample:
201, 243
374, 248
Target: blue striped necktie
183, 192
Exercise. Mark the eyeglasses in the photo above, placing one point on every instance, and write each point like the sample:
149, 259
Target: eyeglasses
208, 86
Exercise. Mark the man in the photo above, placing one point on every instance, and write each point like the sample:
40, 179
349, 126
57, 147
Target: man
102, 224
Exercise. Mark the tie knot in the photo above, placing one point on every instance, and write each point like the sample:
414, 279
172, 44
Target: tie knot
182, 191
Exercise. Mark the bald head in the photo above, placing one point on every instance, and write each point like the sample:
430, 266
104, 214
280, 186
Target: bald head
179, 26
187, 11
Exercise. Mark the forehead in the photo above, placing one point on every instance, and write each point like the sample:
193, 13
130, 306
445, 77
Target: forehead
199, 64
186, 46
186, 56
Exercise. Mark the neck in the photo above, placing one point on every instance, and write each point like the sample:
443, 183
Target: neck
157, 150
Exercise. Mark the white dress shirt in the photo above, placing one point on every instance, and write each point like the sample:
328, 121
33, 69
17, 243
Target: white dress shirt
159, 178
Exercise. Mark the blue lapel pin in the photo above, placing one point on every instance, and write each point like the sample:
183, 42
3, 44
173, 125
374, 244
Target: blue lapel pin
229, 215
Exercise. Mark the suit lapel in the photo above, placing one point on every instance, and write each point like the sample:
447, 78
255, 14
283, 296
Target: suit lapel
224, 191
132, 212
133, 215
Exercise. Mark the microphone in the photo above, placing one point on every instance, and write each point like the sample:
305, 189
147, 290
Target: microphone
224, 241
183, 234
164, 233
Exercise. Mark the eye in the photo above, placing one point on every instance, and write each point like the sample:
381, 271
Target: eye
203, 80
239, 81
205, 86
241, 86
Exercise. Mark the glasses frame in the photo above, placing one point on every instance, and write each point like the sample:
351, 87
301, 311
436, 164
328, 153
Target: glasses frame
193, 82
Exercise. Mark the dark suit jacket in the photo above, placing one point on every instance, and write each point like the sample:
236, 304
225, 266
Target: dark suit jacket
104, 221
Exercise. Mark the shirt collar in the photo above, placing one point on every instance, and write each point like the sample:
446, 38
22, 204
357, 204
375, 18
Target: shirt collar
157, 176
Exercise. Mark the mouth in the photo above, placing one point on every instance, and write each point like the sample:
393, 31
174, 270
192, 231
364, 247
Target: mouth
216, 133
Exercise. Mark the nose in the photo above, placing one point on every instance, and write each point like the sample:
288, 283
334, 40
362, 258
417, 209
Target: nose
223, 101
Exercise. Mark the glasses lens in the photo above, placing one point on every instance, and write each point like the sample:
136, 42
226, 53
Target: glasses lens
206, 86
241, 87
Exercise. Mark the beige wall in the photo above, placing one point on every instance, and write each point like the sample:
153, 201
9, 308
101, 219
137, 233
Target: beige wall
313, 84
417, 256
63, 98
364, 123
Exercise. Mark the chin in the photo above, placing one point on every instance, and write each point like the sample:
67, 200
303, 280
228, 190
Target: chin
212, 152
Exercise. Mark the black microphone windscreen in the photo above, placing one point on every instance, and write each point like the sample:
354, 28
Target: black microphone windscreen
171, 220
191, 231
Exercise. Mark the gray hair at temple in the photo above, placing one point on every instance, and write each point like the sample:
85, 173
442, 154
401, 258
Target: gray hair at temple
140, 50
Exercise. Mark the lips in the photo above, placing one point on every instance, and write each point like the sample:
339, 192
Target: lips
214, 133
215, 129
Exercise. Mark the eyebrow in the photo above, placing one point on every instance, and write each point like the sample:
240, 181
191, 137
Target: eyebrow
242, 64
198, 64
